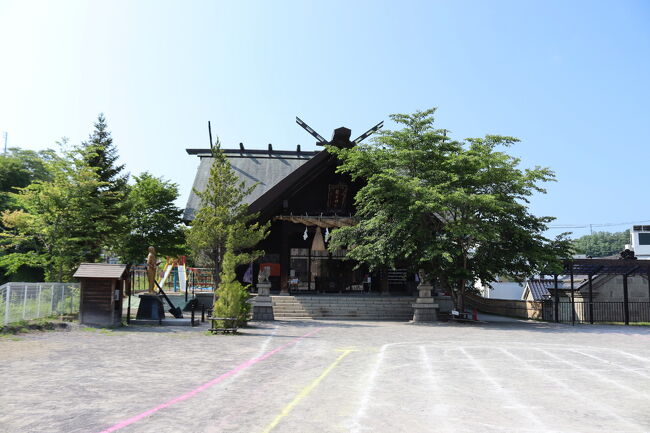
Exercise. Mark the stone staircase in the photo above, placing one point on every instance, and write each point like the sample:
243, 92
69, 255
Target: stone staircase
397, 308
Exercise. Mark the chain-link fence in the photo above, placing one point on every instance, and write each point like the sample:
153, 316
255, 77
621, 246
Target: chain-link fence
25, 301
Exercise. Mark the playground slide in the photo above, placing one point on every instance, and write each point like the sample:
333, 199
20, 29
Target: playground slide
182, 278
168, 270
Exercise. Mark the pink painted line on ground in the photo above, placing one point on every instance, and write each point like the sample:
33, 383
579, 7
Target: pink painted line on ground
206, 385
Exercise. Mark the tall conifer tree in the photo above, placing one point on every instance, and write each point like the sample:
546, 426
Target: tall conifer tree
100, 153
222, 214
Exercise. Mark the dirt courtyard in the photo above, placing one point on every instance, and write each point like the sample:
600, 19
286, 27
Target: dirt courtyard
329, 376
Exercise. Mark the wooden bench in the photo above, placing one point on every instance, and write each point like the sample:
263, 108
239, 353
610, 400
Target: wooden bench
230, 324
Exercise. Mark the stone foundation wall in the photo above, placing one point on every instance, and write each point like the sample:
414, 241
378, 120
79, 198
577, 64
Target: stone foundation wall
506, 307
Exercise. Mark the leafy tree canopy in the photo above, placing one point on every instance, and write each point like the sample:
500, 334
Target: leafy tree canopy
56, 222
153, 219
19, 168
76, 209
602, 244
455, 209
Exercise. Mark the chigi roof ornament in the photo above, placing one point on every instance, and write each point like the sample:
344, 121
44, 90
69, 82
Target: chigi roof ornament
341, 136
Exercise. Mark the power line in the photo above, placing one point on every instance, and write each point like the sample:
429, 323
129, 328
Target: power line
584, 226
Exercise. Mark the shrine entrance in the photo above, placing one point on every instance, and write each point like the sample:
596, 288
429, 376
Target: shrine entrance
315, 269
324, 272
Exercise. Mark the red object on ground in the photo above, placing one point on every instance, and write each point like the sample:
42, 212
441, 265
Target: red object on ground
475, 314
275, 268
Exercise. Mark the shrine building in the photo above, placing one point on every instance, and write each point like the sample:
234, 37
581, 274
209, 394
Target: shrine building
305, 200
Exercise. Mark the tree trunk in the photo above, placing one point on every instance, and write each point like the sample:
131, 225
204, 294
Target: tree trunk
461, 296
461, 289
216, 273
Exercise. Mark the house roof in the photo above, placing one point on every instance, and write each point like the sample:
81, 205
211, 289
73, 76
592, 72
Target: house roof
268, 167
100, 270
539, 288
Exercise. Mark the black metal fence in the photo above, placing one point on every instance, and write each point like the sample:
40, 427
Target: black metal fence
596, 312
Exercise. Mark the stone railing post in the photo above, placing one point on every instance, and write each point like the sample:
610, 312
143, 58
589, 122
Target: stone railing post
7, 304
424, 308
263, 305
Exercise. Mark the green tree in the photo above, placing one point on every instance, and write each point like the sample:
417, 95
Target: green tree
100, 153
232, 296
19, 168
222, 209
55, 222
456, 210
602, 244
153, 219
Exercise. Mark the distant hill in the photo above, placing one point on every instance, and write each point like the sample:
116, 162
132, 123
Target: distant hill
602, 244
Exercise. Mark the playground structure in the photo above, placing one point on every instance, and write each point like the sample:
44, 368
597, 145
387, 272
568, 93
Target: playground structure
178, 287
174, 277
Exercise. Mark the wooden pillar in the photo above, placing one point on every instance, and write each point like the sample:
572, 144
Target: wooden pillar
383, 282
129, 292
557, 300
626, 306
284, 258
309, 269
591, 302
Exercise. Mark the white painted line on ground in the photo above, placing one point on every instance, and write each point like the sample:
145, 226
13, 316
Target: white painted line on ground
582, 369
267, 341
633, 356
611, 412
439, 410
355, 425
614, 364
539, 425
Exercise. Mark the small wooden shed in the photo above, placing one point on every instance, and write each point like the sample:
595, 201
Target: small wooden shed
102, 290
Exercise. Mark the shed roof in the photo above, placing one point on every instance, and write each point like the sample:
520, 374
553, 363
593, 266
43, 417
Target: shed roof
100, 270
251, 165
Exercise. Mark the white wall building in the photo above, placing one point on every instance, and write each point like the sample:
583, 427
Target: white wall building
640, 238
501, 290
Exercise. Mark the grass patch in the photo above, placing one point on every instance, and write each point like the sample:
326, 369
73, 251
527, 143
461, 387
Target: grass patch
25, 326
107, 330
9, 337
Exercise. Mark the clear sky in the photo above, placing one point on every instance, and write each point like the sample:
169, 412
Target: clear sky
570, 78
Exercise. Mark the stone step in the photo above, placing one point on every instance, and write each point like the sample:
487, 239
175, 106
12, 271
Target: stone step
343, 308
279, 308
343, 304
340, 301
343, 312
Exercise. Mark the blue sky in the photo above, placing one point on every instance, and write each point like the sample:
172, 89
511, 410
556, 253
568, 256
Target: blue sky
571, 79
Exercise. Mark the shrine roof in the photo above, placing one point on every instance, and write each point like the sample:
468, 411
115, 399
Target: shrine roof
271, 168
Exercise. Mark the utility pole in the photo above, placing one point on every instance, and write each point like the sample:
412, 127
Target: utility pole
4, 135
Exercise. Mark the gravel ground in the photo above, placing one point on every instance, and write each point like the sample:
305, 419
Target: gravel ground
329, 376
